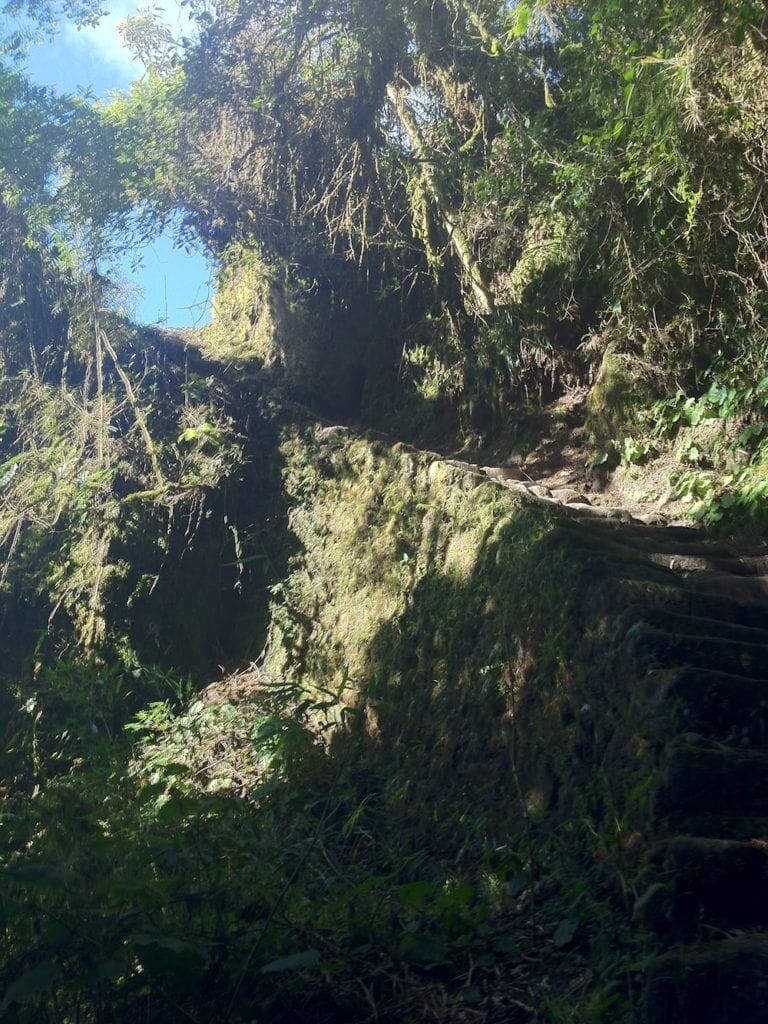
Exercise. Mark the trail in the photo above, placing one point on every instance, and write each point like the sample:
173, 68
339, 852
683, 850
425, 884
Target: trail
697, 636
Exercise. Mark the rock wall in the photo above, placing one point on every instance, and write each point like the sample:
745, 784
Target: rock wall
570, 685
337, 352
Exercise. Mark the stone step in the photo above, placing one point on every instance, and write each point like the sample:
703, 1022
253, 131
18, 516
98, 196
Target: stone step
718, 704
706, 883
689, 561
722, 982
744, 589
611, 561
618, 566
614, 514
720, 628
708, 780
691, 557
673, 594
654, 647
726, 825
592, 519
704, 551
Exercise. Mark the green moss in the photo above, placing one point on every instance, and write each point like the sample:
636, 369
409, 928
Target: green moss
376, 531
317, 344
442, 602
243, 324
493, 705
613, 401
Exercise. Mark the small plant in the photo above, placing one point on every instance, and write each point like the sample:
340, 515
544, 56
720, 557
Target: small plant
635, 452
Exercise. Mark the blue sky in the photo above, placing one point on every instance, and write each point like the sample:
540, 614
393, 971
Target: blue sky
170, 287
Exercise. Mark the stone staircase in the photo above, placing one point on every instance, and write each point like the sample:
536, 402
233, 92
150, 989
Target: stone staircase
694, 616
696, 634
689, 617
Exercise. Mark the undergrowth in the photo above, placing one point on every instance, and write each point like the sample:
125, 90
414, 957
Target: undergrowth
718, 436
212, 862
383, 841
216, 858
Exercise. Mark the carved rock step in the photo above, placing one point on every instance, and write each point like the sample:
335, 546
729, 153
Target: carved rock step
721, 883
672, 593
608, 564
611, 515
689, 562
586, 539
727, 825
747, 589
654, 647
610, 560
591, 519
718, 983
719, 628
682, 541
719, 705
707, 779
684, 562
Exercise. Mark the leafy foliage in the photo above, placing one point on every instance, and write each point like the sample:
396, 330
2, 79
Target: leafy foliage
138, 878
540, 183
505, 199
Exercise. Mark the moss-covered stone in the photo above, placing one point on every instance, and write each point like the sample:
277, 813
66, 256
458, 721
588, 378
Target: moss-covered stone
329, 351
613, 400
455, 613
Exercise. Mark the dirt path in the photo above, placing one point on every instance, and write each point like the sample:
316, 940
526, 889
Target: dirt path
557, 461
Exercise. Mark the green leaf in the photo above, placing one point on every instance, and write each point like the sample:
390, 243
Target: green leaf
423, 950
269, 728
161, 941
717, 394
151, 792
506, 944
35, 982
294, 962
111, 970
414, 895
695, 414
458, 896
177, 962
522, 20
598, 459
565, 932
44, 875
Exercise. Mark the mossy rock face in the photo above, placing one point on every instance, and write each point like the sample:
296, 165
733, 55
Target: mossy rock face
257, 319
326, 351
243, 325
409, 584
377, 526
613, 400
453, 614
